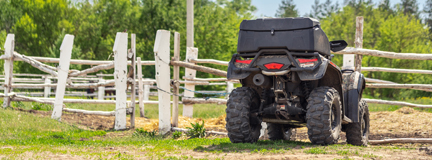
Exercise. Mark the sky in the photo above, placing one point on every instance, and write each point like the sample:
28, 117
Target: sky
269, 7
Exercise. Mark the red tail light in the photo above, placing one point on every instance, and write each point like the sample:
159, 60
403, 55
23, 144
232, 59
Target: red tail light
273, 65
307, 60
243, 61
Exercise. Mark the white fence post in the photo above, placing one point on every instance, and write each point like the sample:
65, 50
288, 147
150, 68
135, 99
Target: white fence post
146, 93
133, 89
63, 70
176, 78
230, 87
101, 89
120, 76
191, 53
47, 90
140, 87
8, 67
162, 58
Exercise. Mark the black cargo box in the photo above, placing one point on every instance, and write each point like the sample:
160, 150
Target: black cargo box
295, 34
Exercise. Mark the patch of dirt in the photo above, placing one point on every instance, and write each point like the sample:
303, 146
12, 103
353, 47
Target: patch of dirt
405, 122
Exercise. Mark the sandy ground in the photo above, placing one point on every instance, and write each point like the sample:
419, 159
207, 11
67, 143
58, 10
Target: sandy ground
405, 122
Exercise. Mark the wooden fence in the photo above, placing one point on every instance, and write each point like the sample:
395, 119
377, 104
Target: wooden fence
163, 61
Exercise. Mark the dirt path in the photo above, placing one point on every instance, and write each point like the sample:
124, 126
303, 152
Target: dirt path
405, 122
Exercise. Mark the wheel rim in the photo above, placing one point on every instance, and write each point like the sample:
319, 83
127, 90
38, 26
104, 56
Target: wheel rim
333, 119
364, 125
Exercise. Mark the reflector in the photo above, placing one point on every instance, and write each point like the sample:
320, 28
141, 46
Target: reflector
273, 65
243, 61
307, 60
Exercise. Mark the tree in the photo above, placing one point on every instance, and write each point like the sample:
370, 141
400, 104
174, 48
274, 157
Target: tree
316, 11
287, 8
410, 7
9, 15
428, 11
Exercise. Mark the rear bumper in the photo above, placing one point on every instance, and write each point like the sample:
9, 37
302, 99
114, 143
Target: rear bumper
305, 73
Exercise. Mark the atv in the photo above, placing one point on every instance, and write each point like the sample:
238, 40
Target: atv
289, 81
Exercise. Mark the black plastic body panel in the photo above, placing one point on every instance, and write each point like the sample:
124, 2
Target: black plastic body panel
231, 74
352, 109
294, 34
282, 59
353, 94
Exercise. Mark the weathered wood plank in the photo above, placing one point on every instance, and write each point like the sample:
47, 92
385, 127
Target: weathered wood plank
200, 68
385, 54
396, 70
359, 42
8, 67
140, 87
210, 61
378, 101
176, 78
78, 61
92, 70
401, 140
133, 44
204, 101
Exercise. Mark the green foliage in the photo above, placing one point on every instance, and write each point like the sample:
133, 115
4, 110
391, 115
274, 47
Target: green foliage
41, 106
17, 104
197, 130
139, 132
176, 134
386, 30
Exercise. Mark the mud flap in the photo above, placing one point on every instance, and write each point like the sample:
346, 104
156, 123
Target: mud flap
353, 89
232, 75
315, 74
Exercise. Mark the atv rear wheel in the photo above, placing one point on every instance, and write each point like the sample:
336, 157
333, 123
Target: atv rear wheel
357, 133
324, 116
241, 126
280, 132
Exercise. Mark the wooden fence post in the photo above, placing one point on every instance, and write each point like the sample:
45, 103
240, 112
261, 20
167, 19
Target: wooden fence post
101, 89
133, 90
140, 87
162, 58
120, 76
176, 78
9, 47
359, 42
191, 53
63, 70
47, 90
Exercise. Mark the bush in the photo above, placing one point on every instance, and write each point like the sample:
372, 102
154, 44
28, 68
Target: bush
139, 132
197, 130
41, 106
17, 104
176, 134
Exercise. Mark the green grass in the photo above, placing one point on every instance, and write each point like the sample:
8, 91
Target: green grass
23, 132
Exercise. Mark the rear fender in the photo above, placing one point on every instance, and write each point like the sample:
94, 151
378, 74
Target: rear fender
234, 75
353, 86
333, 78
